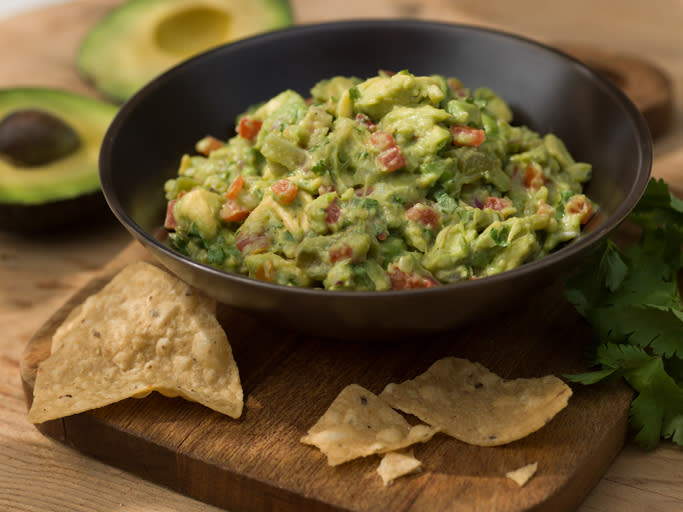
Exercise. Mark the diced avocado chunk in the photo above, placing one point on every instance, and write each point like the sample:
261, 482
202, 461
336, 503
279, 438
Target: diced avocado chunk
378, 95
199, 208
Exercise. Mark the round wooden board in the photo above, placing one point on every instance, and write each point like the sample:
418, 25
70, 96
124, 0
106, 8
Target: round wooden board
647, 85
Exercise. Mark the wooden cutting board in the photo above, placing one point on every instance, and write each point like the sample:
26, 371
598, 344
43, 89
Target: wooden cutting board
257, 462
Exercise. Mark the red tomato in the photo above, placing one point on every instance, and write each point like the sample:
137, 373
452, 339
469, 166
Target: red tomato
235, 187
208, 144
284, 190
343, 252
249, 128
424, 215
467, 136
401, 280
233, 211
534, 177
365, 120
170, 221
382, 140
251, 243
332, 213
497, 203
392, 159
579, 204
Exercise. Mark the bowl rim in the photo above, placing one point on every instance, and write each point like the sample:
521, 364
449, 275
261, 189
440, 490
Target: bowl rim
583, 243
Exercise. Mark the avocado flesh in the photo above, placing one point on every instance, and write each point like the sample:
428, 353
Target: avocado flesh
140, 39
68, 177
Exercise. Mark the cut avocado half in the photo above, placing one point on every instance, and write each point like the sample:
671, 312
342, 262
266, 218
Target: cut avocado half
140, 39
42, 192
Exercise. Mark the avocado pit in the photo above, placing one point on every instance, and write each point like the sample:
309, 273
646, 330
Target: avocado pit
32, 138
189, 31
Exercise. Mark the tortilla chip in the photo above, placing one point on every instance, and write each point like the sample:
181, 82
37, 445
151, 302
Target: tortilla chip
358, 424
397, 464
522, 475
145, 331
472, 404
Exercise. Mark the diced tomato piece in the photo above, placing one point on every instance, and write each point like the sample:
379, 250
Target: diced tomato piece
401, 280
534, 177
424, 215
457, 87
233, 211
332, 213
360, 192
365, 121
387, 72
235, 187
284, 190
382, 140
581, 205
497, 203
170, 221
467, 136
248, 128
251, 243
343, 252
208, 144
392, 159
544, 209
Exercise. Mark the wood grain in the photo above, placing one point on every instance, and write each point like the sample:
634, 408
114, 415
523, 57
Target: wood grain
39, 274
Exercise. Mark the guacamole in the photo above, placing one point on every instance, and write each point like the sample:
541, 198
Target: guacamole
394, 182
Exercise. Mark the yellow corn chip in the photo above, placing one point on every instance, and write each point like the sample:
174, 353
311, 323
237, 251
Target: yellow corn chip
145, 331
358, 424
522, 475
472, 404
397, 464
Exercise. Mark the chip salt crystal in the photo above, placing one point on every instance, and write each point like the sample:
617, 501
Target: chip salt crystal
465, 400
358, 424
145, 331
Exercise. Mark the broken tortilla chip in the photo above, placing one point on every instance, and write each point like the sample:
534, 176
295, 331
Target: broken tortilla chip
397, 464
145, 331
522, 475
358, 424
472, 404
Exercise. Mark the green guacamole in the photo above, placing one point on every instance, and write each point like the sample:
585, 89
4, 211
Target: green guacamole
394, 182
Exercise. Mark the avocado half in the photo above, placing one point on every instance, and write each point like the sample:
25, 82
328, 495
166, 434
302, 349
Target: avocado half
140, 39
65, 189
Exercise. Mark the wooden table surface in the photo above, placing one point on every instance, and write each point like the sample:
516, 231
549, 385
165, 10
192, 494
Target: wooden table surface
38, 273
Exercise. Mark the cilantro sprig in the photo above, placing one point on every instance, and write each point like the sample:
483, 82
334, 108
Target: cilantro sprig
631, 298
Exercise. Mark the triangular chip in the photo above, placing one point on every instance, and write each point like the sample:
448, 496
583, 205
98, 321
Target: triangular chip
472, 404
397, 464
145, 331
522, 475
358, 424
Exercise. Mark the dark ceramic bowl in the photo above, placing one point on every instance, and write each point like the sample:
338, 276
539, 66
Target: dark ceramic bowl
547, 90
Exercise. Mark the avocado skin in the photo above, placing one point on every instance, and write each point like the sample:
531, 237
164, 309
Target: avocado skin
63, 193
108, 54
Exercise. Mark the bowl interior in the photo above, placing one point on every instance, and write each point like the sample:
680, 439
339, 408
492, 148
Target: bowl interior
547, 90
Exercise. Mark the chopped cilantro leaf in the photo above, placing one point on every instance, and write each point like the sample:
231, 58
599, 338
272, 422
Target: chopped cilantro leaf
634, 305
